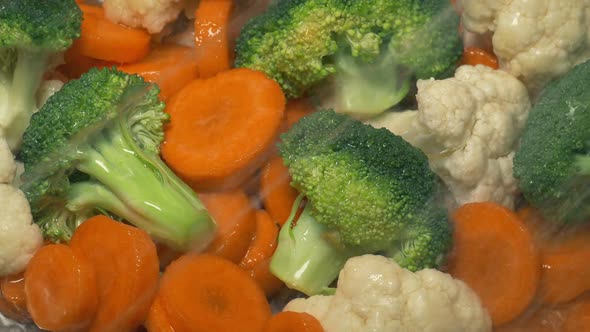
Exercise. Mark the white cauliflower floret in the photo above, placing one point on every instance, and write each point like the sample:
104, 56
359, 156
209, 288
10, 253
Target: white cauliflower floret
468, 126
535, 40
7, 164
153, 15
375, 294
19, 236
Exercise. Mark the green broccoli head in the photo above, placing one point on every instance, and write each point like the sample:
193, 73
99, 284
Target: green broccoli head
371, 191
359, 54
94, 148
552, 163
30, 33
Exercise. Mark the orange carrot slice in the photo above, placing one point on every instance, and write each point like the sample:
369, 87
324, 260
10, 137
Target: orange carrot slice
264, 243
477, 56
495, 255
275, 189
157, 320
290, 321
61, 289
236, 223
211, 36
223, 128
204, 293
127, 271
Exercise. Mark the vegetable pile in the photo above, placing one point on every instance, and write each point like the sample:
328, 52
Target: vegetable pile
294, 165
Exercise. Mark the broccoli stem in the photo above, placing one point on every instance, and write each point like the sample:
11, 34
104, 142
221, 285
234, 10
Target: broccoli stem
26, 78
306, 259
141, 189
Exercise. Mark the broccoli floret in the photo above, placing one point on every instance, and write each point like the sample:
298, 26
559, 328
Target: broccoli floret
552, 163
31, 32
368, 191
362, 54
94, 148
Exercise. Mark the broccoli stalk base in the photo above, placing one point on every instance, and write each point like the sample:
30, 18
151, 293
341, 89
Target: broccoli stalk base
141, 189
20, 77
306, 259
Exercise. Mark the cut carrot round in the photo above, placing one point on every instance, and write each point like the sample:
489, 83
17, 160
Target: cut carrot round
157, 320
297, 109
269, 283
170, 66
61, 289
222, 128
211, 36
12, 289
496, 256
236, 223
264, 242
204, 293
275, 189
290, 321
477, 56
127, 269
104, 40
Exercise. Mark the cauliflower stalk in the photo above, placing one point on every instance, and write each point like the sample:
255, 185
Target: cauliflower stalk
468, 126
153, 15
535, 40
375, 294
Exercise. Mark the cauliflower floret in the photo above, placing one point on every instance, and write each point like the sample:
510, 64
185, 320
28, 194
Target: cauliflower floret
152, 15
7, 164
19, 236
375, 294
535, 40
468, 126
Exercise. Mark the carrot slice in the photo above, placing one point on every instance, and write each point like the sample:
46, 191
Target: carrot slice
264, 243
297, 109
236, 223
12, 289
126, 265
104, 40
476, 56
204, 293
290, 321
60, 288
94, 10
264, 278
496, 256
275, 189
222, 128
157, 319
77, 64
10, 312
211, 36
170, 66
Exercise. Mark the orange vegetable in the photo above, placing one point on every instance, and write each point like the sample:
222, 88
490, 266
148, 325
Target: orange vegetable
205, 293
211, 36
77, 64
126, 264
222, 128
12, 290
290, 321
297, 109
236, 223
477, 56
170, 66
264, 278
61, 289
157, 319
10, 312
263, 244
275, 189
104, 40
495, 255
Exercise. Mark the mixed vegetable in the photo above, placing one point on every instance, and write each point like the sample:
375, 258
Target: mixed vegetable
295, 165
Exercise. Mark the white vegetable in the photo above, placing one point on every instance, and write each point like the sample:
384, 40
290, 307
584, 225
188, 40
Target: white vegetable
535, 40
375, 294
152, 15
7, 164
468, 126
19, 236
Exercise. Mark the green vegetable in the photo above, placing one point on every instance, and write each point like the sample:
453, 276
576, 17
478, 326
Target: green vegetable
94, 148
368, 191
362, 53
553, 161
31, 32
